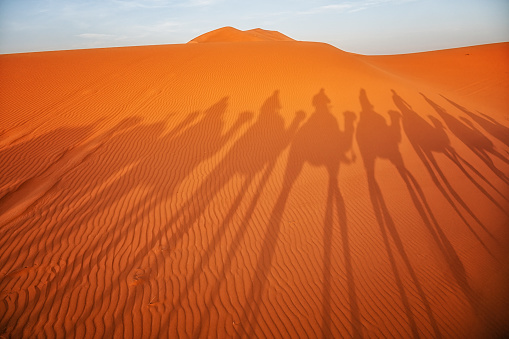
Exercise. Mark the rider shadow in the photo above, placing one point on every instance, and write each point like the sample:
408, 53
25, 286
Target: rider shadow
377, 140
180, 153
177, 152
480, 145
477, 142
319, 142
426, 140
25, 166
489, 124
165, 151
37, 153
255, 152
31, 193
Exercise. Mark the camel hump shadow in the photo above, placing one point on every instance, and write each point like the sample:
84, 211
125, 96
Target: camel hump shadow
488, 123
320, 142
376, 138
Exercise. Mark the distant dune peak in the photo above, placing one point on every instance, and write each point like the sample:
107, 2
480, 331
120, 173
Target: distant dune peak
231, 34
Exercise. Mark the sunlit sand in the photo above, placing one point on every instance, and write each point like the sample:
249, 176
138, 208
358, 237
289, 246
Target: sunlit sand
249, 185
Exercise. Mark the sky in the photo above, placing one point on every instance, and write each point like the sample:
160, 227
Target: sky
359, 26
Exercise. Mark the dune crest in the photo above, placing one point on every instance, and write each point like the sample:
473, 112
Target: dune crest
230, 34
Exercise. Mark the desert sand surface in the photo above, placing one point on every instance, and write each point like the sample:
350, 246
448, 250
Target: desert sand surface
249, 185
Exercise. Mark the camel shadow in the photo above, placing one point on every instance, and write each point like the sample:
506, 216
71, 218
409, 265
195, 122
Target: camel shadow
319, 143
477, 142
489, 124
377, 140
263, 154
182, 150
125, 151
427, 140
160, 160
22, 161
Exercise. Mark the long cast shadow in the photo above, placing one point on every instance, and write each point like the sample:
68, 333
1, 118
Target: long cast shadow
16, 166
267, 150
269, 124
458, 160
376, 140
426, 140
141, 161
165, 149
477, 142
489, 124
25, 165
255, 151
480, 145
319, 142
180, 164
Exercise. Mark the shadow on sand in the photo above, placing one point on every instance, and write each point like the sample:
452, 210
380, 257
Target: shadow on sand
143, 152
254, 153
427, 140
477, 142
319, 142
489, 124
376, 139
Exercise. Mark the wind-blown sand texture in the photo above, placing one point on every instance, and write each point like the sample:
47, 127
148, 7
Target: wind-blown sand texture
254, 186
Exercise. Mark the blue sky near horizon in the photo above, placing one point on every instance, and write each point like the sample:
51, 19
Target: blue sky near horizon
360, 26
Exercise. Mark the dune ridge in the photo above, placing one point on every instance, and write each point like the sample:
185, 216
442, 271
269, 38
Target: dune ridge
231, 34
275, 189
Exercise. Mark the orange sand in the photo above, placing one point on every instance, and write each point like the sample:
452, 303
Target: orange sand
254, 186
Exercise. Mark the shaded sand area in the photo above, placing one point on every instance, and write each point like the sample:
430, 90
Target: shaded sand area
249, 185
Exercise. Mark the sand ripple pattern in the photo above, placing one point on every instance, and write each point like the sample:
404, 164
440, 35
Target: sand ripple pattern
143, 202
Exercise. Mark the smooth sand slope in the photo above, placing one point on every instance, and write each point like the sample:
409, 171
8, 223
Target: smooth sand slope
248, 185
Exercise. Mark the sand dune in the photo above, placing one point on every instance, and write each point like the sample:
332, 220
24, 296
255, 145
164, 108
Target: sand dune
254, 186
230, 34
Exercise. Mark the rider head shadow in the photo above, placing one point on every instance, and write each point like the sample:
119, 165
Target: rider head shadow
474, 139
489, 124
318, 143
378, 140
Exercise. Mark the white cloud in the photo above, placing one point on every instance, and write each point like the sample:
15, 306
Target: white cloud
151, 4
336, 7
198, 3
351, 6
96, 36
143, 3
358, 9
168, 26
